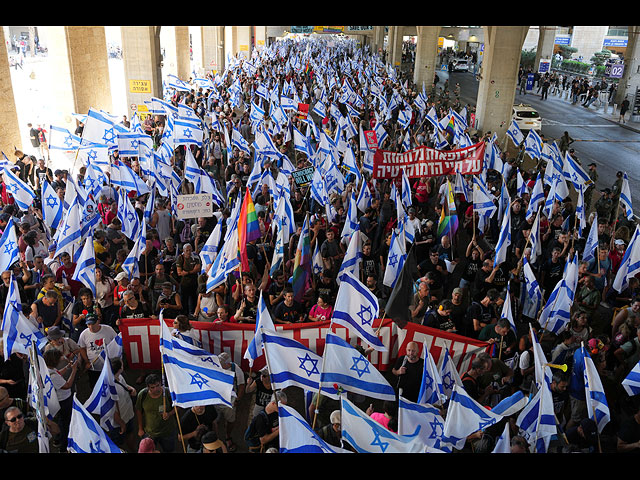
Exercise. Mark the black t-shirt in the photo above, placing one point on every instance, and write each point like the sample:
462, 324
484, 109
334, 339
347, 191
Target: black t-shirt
629, 432
470, 385
288, 313
479, 312
427, 266
441, 322
370, 266
264, 423
552, 274
471, 268
410, 382
190, 421
329, 291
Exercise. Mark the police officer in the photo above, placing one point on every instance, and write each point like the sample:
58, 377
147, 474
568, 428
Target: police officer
588, 194
604, 205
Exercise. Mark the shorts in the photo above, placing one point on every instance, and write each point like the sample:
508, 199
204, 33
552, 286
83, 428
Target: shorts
228, 413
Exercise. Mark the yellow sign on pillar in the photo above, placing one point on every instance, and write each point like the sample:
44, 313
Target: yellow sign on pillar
243, 48
139, 86
143, 112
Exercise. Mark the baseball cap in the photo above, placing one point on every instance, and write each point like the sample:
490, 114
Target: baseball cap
54, 332
121, 276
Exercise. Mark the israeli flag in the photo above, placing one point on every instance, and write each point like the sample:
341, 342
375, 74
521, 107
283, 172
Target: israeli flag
22, 193
226, 261
431, 388
482, 200
9, 247
62, 139
631, 382
18, 331
104, 397
316, 260
291, 363
210, 248
356, 308
507, 312
591, 245
85, 271
194, 376
464, 417
366, 435
128, 216
449, 374
514, 133
629, 266
99, 128
511, 405
238, 141
69, 236
533, 144
535, 241
114, 347
297, 436
97, 155
537, 419
395, 259
597, 406
284, 218
41, 393
86, 435
536, 198
128, 179
556, 314
263, 322
428, 418
574, 172
503, 443
625, 197
278, 253
504, 239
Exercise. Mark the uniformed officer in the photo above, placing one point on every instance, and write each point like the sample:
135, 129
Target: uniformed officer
588, 194
604, 205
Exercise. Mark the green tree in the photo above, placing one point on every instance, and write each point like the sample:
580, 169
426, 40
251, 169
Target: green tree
566, 51
599, 58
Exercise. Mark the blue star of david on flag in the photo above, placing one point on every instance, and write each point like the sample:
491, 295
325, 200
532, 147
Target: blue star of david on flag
393, 259
356, 367
199, 380
313, 369
9, 247
109, 135
377, 442
365, 311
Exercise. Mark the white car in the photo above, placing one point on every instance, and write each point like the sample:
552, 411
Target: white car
461, 65
527, 118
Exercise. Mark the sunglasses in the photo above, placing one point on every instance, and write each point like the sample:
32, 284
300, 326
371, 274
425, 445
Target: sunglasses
15, 419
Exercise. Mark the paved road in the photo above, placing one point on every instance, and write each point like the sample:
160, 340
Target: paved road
599, 137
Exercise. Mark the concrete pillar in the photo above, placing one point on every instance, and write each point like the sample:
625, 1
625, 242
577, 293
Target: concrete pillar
182, 48
141, 57
546, 40
631, 77
396, 46
496, 92
426, 56
79, 65
391, 35
213, 48
238, 40
261, 37
10, 137
378, 39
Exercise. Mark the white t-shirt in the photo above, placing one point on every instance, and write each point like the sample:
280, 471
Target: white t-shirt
95, 343
58, 381
125, 403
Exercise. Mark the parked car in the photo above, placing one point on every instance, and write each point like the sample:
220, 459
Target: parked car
527, 118
461, 65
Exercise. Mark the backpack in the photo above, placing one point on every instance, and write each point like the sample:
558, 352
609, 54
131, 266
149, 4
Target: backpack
250, 435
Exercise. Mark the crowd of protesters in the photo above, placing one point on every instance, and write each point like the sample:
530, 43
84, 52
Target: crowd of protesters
459, 289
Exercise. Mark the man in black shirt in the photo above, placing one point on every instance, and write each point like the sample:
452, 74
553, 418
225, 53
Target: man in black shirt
408, 368
288, 310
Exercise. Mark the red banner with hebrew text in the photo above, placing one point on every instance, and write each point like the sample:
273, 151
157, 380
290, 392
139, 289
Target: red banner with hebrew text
428, 162
140, 338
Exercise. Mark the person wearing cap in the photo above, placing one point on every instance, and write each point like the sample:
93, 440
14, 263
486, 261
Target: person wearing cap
332, 432
261, 386
604, 205
122, 281
583, 437
93, 340
212, 444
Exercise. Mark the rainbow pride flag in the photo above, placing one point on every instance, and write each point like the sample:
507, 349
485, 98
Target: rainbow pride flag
248, 228
301, 278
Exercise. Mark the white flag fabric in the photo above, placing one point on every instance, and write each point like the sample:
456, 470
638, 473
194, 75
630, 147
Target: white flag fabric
464, 417
85, 271
263, 322
431, 388
597, 405
291, 363
630, 264
428, 418
503, 443
86, 435
356, 308
449, 374
194, 376
631, 382
344, 366
296, 436
104, 397
625, 197
9, 246
366, 435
